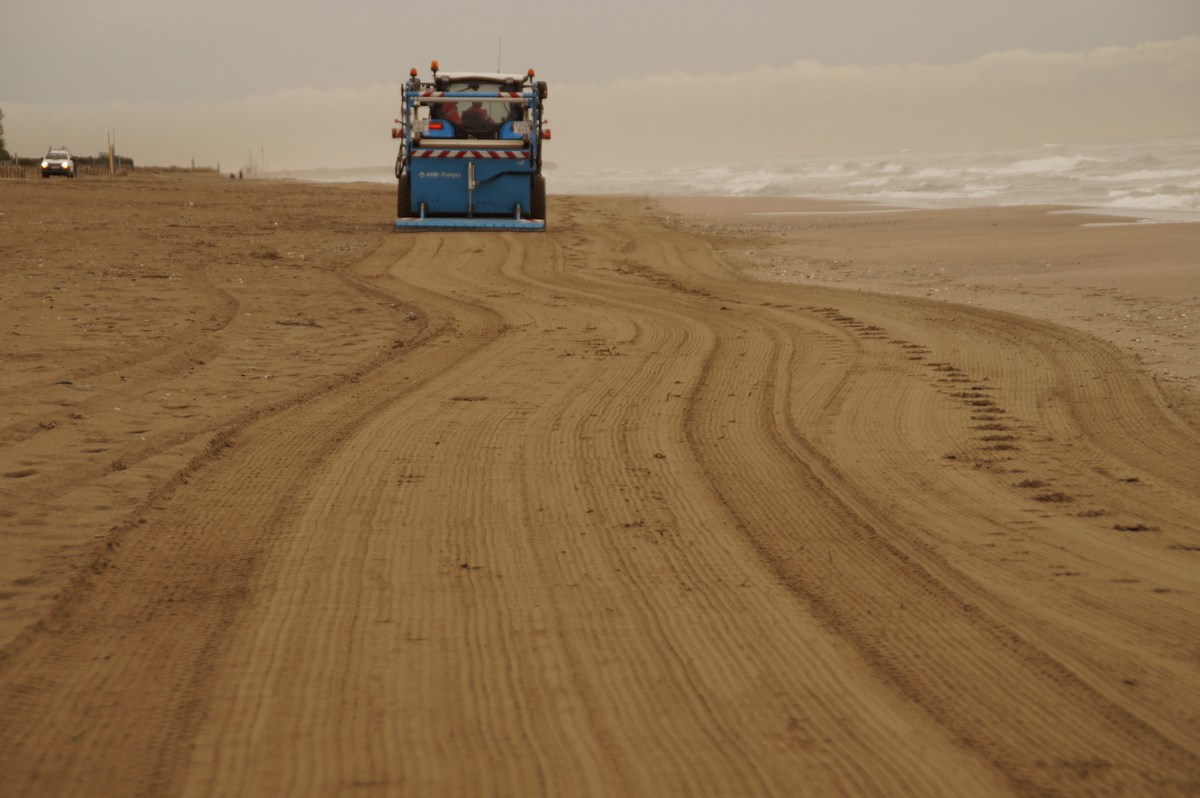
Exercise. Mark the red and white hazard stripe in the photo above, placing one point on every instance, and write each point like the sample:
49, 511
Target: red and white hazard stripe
498, 94
512, 155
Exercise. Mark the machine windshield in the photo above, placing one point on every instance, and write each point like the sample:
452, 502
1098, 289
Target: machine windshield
477, 116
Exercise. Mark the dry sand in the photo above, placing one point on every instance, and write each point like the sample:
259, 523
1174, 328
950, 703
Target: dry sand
668, 500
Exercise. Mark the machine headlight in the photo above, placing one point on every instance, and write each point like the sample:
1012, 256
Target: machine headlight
45, 164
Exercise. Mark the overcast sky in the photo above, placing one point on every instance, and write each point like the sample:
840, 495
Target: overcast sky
316, 83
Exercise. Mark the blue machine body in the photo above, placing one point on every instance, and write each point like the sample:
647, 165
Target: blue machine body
478, 169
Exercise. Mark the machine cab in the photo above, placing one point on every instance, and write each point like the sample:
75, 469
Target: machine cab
479, 119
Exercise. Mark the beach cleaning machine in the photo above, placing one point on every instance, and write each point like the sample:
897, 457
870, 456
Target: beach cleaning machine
471, 152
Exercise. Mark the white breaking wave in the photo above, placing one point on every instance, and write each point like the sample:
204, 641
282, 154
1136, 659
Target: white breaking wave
1053, 165
1157, 202
1147, 174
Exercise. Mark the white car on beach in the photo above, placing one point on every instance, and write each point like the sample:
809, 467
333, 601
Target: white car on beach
58, 162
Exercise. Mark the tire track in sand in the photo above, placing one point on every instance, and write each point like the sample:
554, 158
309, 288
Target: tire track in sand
104, 696
619, 524
902, 630
549, 604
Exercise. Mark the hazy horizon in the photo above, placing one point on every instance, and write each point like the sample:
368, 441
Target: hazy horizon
765, 79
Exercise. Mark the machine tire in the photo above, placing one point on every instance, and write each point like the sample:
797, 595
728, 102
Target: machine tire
537, 198
404, 199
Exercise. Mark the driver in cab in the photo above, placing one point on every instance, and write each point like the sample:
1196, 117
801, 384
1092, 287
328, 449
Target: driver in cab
477, 117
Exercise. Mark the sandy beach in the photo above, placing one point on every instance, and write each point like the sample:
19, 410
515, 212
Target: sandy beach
681, 497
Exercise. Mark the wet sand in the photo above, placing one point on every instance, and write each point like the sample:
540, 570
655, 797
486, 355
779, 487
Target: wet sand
1130, 282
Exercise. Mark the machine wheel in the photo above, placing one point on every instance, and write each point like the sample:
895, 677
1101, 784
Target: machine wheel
537, 200
404, 199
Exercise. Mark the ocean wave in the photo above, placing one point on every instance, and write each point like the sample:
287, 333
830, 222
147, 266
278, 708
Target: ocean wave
935, 172
1052, 164
1156, 202
930, 196
1145, 174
